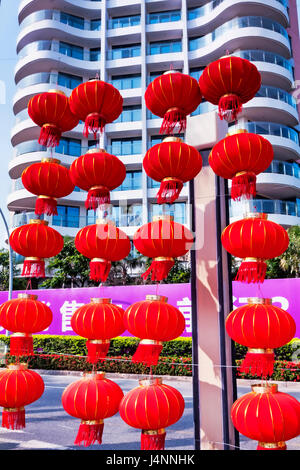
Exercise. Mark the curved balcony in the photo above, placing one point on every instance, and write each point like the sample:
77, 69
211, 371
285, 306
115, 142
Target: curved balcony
281, 179
268, 99
284, 139
47, 81
89, 9
275, 70
48, 28
30, 152
238, 33
45, 56
213, 14
262, 106
285, 213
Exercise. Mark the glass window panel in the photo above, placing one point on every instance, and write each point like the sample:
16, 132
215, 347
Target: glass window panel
96, 24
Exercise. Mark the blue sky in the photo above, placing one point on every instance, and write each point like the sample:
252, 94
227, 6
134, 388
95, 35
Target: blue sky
8, 34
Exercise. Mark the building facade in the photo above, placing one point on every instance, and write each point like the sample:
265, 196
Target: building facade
130, 42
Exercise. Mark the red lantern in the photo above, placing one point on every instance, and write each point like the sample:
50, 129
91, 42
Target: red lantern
163, 240
249, 239
97, 172
18, 388
152, 407
91, 399
96, 103
36, 241
24, 316
241, 157
172, 163
99, 321
155, 321
173, 96
267, 416
261, 327
103, 243
51, 112
49, 181
229, 83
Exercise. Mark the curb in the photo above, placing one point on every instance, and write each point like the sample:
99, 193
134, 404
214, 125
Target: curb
113, 375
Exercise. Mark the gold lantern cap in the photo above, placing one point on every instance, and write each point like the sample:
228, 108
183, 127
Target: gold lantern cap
264, 388
100, 300
160, 298
150, 381
259, 300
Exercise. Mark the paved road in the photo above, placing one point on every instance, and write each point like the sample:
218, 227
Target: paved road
49, 427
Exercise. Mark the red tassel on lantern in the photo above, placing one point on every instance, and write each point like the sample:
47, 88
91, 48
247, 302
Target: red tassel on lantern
148, 352
13, 418
153, 440
49, 136
169, 190
243, 184
46, 205
99, 269
89, 432
33, 267
21, 344
94, 122
230, 106
160, 268
258, 362
97, 350
97, 196
251, 270
173, 117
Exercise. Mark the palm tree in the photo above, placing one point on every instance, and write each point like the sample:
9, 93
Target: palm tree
290, 259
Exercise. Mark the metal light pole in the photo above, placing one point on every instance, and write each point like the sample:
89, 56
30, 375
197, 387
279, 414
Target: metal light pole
10, 282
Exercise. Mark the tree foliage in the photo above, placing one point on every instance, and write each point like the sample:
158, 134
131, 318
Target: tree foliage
285, 266
18, 283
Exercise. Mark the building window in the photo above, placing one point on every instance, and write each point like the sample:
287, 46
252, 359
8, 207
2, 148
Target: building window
130, 114
68, 216
164, 47
176, 210
124, 21
124, 52
95, 54
164, 17
69, 146
68, 81
71, 50
72, 20
126, 82
126, 146
132, 181
95, 25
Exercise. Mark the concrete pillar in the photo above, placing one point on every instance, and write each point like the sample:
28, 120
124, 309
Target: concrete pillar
213, 381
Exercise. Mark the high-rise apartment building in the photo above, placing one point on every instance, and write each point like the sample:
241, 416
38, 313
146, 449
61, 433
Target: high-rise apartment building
130, 42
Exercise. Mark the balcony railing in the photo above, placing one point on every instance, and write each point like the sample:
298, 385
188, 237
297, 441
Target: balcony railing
270, 128
269, 206
64, 18
199, 12
237, 23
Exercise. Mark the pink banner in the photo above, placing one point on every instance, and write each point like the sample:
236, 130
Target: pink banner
63, 302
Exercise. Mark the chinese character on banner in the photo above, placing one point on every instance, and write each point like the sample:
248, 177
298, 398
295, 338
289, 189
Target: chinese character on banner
185, 306
67, 310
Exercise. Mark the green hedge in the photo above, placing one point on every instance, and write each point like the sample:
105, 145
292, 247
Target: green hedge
68, 353
176, 366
